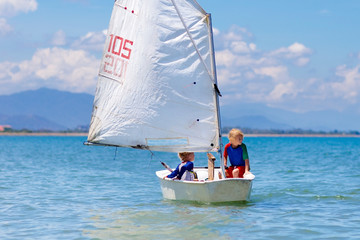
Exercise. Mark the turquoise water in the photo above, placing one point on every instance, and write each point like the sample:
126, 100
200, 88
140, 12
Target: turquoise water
56, 188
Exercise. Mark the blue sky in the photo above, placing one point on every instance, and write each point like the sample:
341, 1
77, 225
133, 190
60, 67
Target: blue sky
299, 55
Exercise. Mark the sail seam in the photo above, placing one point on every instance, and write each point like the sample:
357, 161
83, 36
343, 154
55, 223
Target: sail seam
114, 79
180, 134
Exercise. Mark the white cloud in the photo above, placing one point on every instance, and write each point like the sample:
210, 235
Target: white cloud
225, 58
237, 33
295, 51
9, 8
281, 77
59, 38
349, 87
298, 49
252, 46
91, 41
246, 72
302, 61
229, 78
242, 47
282, 89
216, 31
4, 27
277, 73
70, 70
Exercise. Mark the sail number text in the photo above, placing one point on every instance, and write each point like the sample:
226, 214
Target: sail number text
117, 56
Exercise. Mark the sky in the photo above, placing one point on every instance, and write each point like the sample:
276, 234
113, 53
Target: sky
299, 55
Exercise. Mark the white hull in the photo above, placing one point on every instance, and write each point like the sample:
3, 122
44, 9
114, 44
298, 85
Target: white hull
218, 190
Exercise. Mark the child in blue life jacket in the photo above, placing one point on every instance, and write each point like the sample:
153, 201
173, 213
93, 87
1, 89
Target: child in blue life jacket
184, 171
237, 152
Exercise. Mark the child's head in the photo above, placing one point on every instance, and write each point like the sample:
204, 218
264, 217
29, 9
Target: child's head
236, 136
187, 156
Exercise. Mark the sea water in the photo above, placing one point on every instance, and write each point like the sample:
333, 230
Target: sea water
57, 188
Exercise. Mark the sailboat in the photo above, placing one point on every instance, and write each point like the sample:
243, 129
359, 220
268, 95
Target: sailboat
157, 90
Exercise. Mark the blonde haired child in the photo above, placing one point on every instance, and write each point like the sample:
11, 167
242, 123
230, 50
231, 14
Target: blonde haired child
237, 152
184, 171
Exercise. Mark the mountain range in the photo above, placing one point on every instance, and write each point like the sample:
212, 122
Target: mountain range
54, 110
46, 109
260, 116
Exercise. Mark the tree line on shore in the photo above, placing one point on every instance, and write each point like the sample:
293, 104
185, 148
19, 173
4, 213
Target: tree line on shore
297, 131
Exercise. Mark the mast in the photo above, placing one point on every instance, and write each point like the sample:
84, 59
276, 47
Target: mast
217, 93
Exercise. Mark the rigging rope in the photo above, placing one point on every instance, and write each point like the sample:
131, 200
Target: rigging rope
152, 154
115, 153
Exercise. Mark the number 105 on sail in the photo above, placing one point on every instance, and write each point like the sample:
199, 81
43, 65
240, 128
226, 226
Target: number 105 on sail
116, 58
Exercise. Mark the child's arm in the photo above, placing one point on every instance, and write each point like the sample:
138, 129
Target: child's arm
225, 155
246, 157
174, 173
247, 165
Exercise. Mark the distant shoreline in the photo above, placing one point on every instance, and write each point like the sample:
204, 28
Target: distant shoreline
300, 135
60, 134
76, 134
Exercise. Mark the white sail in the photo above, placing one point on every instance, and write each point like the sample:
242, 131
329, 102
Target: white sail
156, 81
